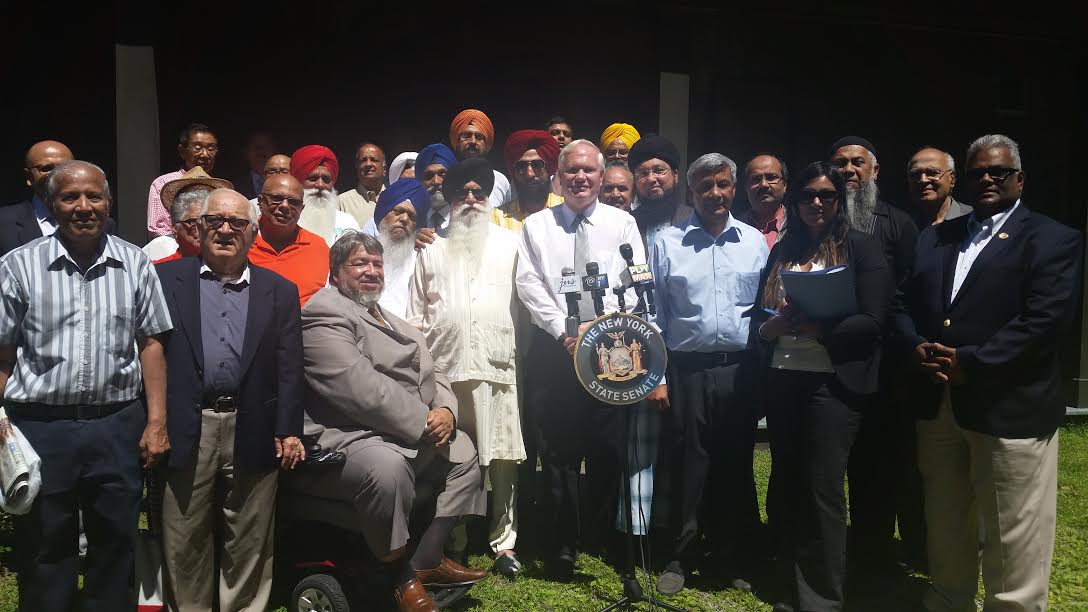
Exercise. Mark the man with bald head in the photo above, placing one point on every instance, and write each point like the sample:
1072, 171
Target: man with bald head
22, 222
317, 169
234, 412
282, 245
473, 135
277, 164
931, 175
370, 172
82, 322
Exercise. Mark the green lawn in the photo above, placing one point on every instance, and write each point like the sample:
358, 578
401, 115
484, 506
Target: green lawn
596, 583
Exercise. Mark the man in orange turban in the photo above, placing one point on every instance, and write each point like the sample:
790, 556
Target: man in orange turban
616, 142
472, 135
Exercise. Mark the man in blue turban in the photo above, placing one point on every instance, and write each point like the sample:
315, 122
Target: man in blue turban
400, 209
432, 163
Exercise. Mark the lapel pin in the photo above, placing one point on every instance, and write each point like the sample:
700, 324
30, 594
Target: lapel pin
1003, 236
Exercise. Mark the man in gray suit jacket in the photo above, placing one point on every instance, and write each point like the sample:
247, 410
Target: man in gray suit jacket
375, 395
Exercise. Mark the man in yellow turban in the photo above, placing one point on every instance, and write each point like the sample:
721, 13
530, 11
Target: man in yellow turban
472, 135
616, 142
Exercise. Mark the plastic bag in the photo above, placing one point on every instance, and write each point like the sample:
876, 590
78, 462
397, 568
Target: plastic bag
17, 455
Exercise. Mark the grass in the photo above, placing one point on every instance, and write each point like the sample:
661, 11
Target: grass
597, 584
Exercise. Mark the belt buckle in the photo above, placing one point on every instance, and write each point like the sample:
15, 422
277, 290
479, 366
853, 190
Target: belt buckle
224, 403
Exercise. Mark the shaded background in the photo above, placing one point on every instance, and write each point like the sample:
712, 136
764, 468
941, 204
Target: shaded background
780, 77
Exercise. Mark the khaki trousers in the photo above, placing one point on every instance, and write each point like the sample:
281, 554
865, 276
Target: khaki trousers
210, 496
1011, 485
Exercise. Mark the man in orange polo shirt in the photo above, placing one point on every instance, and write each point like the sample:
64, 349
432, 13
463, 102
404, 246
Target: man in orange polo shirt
282, 246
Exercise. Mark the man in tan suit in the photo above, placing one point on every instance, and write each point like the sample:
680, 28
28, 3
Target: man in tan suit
376, 396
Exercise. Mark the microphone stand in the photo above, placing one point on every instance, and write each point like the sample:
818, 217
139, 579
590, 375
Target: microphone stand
632, 589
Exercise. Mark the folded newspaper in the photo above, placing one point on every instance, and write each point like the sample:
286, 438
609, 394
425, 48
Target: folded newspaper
20, 469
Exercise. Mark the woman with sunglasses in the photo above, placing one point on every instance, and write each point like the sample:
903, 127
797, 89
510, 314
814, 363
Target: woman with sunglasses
817, 375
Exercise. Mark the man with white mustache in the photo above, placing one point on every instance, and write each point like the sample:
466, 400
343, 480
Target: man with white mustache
463, 307
399, 211
317, 168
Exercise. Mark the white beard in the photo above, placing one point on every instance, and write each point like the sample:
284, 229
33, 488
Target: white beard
397, 256
468, 239
366, 299
860, 205
319, 214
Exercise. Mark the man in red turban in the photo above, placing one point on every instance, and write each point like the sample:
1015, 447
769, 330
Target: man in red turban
532, 157
472, 135
316, 167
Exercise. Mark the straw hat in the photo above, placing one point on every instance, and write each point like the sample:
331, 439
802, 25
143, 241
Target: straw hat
196, 176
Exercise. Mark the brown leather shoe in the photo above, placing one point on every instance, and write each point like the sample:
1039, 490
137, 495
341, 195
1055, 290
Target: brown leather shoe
450, 573
413, 597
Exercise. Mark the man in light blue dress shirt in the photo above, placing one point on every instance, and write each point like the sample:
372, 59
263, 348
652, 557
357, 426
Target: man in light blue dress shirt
706, 271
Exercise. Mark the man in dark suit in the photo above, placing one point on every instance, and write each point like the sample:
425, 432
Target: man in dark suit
989, 296
234, 396
25, 221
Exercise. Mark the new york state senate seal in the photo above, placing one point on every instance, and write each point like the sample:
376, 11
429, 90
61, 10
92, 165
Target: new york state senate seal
620, 358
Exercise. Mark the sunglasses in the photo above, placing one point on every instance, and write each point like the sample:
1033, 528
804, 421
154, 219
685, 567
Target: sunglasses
826, 196
277, 199
523, 166
460, 194
998, 174
237, 224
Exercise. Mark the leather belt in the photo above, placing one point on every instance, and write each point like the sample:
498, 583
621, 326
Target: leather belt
691, 360
223, 403
39, 411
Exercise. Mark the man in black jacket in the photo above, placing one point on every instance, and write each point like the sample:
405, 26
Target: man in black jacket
22, 222
876, 471
234, 411
989, 296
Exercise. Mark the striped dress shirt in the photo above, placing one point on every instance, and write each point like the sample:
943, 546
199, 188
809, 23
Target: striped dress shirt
75, 331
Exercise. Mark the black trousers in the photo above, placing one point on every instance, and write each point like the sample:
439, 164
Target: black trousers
574, 426
90, 465
708, 442
811, 422
885, 484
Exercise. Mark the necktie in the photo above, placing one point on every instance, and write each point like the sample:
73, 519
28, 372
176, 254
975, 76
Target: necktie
374, 312
581, 258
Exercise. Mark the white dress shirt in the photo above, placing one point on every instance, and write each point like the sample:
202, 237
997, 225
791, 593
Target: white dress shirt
979, 234
547, 246
46, 223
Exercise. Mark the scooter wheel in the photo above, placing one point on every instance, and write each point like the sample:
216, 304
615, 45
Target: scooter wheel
319, 593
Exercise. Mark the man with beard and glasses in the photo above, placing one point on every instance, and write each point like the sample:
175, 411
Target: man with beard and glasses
316, 168
462, 299
377, 396
616, 142
765, 181
282, 245
369, 182
532, 157
658, 201
399, 209
872, 468
618, 187
473, 135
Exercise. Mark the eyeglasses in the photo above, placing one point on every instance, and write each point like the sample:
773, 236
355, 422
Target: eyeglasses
998, 174
430, 174
460, 194
196, 147
657, 171
771, 178
826, 196
216, 221
276, 199
523, 166
189, 223
932, 174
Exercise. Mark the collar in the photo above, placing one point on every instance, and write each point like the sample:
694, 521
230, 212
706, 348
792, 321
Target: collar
107, 251
40, 211
773, 224
996, 220
241, 281
694, 223
567, 215
302, 238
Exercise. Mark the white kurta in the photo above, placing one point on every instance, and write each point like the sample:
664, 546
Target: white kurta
469, 326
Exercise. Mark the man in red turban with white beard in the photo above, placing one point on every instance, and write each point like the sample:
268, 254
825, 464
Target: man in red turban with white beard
316, 167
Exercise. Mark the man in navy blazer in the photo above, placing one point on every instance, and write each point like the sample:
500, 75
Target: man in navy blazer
987, 301
234, 411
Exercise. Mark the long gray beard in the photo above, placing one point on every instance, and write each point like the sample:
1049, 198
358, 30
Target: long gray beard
397, 254
319, 214
468, 237
860, 205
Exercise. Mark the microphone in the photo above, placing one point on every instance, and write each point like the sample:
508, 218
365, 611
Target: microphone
633, 274
595, 283
568, 286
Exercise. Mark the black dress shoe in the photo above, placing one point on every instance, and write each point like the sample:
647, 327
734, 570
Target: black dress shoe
506, 564
561, 567
783, 607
